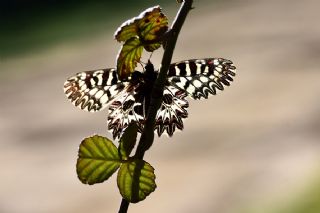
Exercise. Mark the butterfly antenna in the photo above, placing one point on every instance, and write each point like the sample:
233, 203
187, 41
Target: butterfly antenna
142, 64
150, 57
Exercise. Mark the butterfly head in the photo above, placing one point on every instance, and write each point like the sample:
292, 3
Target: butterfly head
149, 67
149, 72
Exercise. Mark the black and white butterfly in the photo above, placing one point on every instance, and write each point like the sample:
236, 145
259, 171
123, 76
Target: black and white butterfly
128, 100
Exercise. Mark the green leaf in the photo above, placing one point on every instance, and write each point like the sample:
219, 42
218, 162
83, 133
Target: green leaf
136, 180
152, 47
152, 29
128, 140
127, 30
144, 31
98, 159
128, 57
149, 26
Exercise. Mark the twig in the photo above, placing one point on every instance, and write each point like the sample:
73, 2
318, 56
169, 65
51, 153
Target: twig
147, 136
124, 206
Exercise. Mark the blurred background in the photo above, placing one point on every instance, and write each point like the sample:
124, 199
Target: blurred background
255, 148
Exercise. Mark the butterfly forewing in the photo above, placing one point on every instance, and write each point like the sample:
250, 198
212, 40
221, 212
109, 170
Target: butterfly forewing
201, 77
93, 90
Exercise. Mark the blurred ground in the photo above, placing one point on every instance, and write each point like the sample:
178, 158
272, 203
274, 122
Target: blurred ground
253, 148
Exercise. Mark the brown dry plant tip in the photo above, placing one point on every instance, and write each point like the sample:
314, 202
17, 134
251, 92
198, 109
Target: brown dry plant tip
147, 136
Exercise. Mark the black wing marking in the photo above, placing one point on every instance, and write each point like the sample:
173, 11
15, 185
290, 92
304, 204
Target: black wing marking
125, 110
201, 77
93, 90
172, 110
129, 107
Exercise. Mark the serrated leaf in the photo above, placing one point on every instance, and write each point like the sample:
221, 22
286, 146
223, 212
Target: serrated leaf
128, 141
151, 18
136, 180
127, 30
128, 57
98, 159
153, 25
152, 28
149, 26
152, 47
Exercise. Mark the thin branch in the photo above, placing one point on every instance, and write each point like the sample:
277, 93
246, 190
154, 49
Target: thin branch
124, 206
147, 136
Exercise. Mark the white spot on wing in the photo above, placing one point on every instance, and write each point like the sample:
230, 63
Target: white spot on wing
206, 69
81, 83
216, 73
182, 82
110, 77
188, 71
93, 91
198, 68
99, 94
197, 83
83, 76
92, 82
191, 89
104, 99
204, 79
99, 79
218, 68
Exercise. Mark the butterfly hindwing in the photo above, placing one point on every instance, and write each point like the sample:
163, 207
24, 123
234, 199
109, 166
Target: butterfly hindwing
201, 77
125, 110
172, 110
93, 90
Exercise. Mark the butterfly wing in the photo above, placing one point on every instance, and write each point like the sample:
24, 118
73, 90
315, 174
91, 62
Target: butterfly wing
201, 77
93, 90
125, 109
172, 110
197, 78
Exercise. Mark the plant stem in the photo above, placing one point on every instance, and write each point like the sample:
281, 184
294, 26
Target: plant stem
124, 206
147, 136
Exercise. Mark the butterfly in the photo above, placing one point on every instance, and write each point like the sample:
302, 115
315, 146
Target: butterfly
128, 100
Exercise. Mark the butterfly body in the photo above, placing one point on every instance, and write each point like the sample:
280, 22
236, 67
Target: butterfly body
146, 81
128, 100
